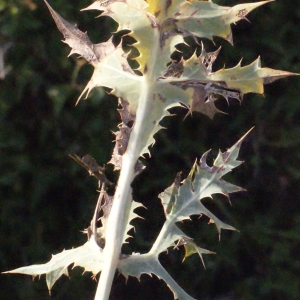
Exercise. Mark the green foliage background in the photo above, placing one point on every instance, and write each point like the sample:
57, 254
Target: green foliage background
46, 199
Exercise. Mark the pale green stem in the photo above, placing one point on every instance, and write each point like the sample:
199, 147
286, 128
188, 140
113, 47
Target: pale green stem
162, 235
118, 220
116, 224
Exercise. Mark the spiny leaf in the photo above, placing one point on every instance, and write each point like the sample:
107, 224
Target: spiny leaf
191, 248
135, 19
111, 66
180, 202
78, 40
195, 76
88, 256
202, 181
114, 72
250, 78
136, 265
206, 19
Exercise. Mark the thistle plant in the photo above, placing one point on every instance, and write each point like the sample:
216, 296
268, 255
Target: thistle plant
163, 79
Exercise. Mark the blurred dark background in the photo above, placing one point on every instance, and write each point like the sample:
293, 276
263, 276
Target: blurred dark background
47, 199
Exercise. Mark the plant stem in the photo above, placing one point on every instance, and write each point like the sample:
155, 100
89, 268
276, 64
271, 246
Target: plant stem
118, 217
116, 224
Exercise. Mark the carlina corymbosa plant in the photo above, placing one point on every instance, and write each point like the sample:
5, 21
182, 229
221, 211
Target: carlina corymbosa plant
162, 78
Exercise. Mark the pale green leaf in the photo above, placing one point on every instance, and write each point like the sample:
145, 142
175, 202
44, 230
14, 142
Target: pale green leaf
111, 68
138, 264
204, 181
202, 86
87, 256
191, 248
250, 78
131, 15
181, 202
114, 72
206, 19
